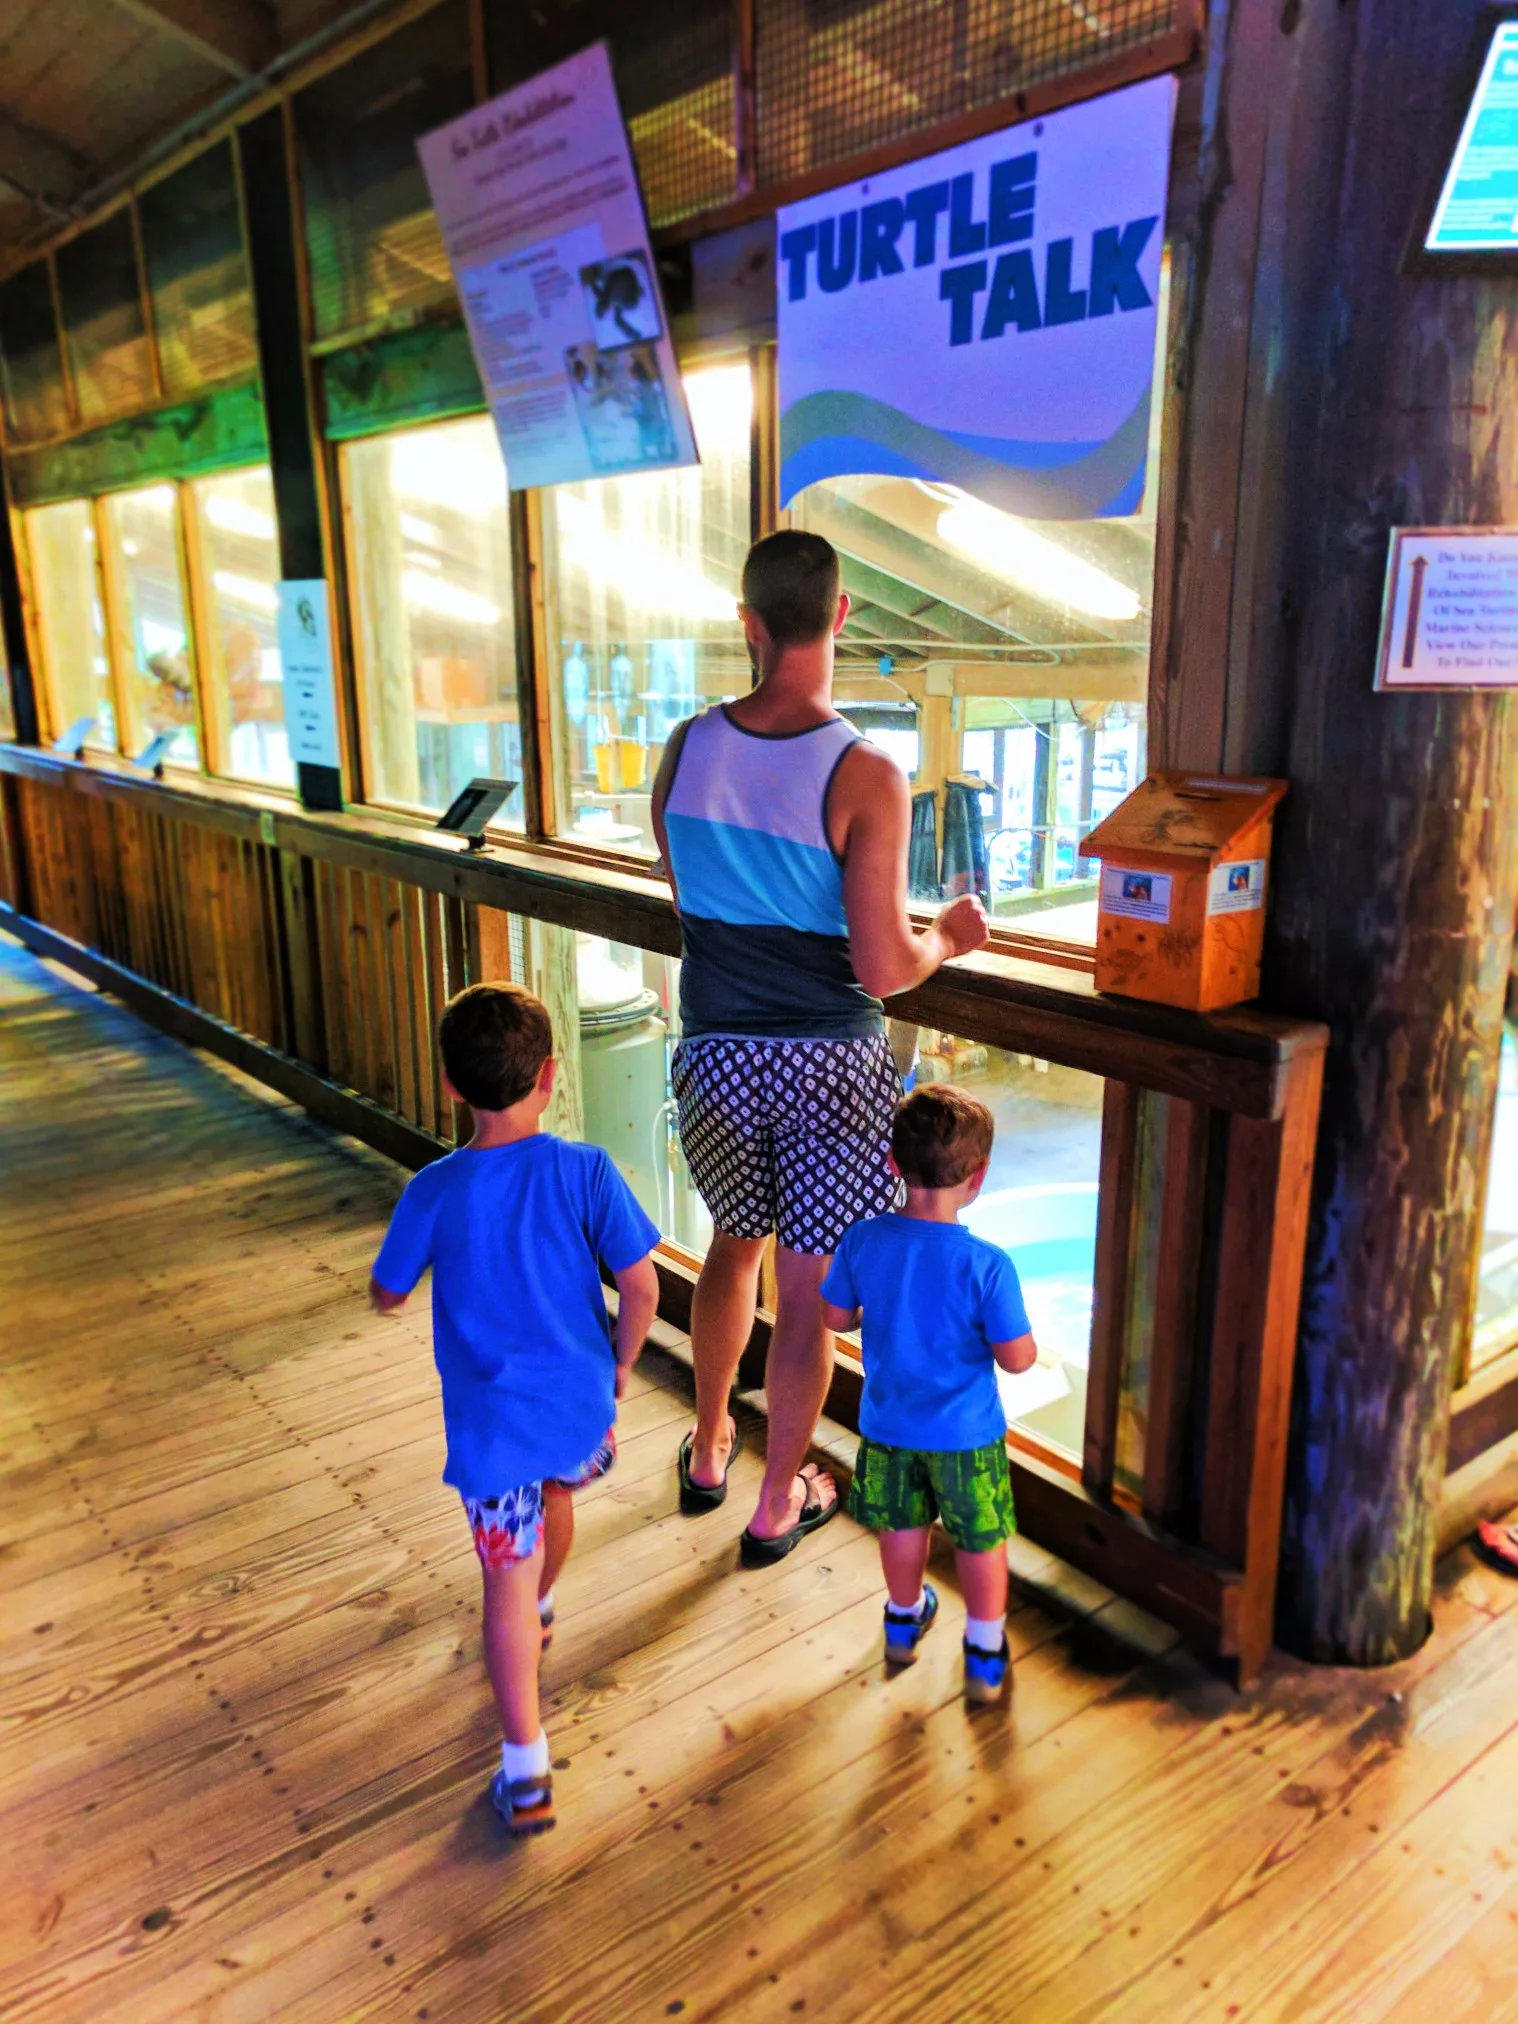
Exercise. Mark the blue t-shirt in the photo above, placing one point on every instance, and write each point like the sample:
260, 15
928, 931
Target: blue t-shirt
519, 1325
935, 1297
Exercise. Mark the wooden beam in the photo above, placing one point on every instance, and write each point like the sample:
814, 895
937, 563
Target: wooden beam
239, 37
40, 166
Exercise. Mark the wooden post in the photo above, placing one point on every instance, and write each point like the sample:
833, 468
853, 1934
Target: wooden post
1324, 397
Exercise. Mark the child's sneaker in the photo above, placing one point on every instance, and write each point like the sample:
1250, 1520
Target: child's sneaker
525, 1804
987, 1673
904, 1633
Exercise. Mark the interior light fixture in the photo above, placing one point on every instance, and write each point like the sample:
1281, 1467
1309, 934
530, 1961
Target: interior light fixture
1044, 568
435, 594
721, 402
643, 575
245, 590
236, 516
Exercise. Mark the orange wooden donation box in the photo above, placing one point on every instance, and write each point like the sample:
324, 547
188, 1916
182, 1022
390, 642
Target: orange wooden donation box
1181, 908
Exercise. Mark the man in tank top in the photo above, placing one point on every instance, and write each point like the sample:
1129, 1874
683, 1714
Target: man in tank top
785, 837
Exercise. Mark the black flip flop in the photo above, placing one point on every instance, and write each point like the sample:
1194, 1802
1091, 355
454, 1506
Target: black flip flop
698, 1497
756, 1552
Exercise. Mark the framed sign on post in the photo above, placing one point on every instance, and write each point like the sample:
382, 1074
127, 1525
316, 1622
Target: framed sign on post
543, 221
1449, 614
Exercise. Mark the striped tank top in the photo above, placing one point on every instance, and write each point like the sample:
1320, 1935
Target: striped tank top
760, 885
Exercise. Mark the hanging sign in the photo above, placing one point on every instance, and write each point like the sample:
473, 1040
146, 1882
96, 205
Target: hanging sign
305, 652
1449, 616
543, 222
1477, 210
987, 316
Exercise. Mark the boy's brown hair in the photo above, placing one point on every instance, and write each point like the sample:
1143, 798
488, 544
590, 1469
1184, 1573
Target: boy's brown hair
941, 1135
792, 580
494, 1039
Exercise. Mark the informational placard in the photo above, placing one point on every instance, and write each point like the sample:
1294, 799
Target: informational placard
544, 226
305, 651
1136, 895
986, 317
1449, 616
1236, 888
1477, 210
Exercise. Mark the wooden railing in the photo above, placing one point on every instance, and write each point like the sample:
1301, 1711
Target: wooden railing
316, 951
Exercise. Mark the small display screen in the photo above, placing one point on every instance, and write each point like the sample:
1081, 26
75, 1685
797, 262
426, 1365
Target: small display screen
1477, 210
472, 808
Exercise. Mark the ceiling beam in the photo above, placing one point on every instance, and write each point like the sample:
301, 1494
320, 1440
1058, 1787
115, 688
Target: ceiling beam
237, 36
39, 166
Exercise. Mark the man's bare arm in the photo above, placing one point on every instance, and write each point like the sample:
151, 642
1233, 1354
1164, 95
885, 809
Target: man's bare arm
663, 781
870, 819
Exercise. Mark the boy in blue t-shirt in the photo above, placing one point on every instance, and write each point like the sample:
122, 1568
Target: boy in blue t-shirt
942, 1309
513, 1225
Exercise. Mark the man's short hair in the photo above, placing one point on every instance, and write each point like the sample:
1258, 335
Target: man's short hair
792, 580
940, 1136
495, 1039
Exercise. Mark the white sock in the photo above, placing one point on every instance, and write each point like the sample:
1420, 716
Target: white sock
545, 1605
985, 1633
525, 1760
911, 1608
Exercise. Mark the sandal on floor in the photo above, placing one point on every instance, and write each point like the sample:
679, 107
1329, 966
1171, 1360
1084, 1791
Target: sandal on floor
1498, 1546
756, 1552
524, 1804
698, 1497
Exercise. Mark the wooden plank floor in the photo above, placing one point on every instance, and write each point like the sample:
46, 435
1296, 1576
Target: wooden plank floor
244, 1729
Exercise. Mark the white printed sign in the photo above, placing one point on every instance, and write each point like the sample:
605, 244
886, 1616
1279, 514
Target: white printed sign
1237, 888
541, 215
985, 317
1136, 895
305, 651
1449, 618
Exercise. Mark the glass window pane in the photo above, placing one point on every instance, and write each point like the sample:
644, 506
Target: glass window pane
641, 579
430, 572
153, 651
1497, 1288
239, 562
70, 625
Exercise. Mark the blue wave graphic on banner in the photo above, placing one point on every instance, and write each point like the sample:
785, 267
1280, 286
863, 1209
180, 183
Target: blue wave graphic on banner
829, 435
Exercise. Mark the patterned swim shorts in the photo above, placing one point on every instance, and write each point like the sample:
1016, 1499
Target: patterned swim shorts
788, 1135
970, 1489
507, 1529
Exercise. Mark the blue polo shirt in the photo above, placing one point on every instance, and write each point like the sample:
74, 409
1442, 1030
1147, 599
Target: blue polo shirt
935, 1297
519, 1326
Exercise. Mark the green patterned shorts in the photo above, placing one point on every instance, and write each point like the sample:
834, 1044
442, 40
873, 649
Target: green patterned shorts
970, 1489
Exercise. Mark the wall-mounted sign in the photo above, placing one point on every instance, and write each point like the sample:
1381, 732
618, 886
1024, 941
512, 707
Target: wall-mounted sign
544, 226
986, 316
1477, 211
1449, 616
305, 651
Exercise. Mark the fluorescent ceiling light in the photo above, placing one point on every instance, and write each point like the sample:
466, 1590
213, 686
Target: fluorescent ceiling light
437, 595
245, 590
235, 516
645, 576
1044, 568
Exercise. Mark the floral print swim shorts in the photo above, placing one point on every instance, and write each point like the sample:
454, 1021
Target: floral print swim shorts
507, 1528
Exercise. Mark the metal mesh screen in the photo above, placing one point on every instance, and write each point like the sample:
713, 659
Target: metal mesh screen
100, 293
833, 77
674, 62
31, 364
372, 241
198, 275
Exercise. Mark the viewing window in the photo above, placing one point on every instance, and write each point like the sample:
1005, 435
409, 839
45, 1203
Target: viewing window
641, 578
431, 583
1004, 664
237, 555
70, 623
150, 629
